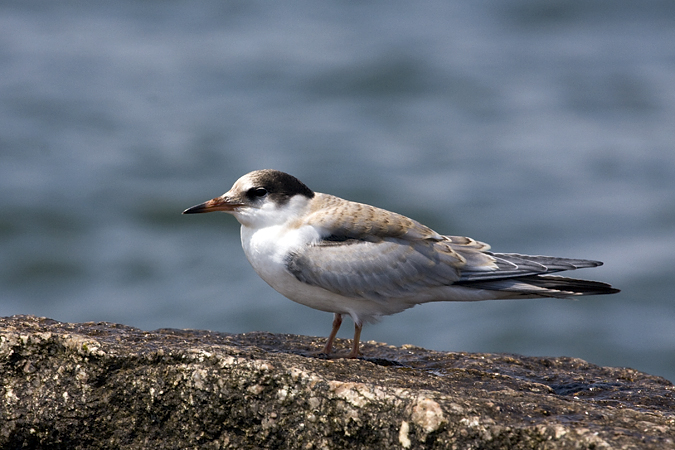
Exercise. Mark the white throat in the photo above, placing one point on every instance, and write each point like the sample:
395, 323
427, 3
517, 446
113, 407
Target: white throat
270, 232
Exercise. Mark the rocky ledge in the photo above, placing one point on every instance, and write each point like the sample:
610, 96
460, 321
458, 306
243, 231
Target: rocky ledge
105, 386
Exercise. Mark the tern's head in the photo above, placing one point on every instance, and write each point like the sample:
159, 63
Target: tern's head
260, 198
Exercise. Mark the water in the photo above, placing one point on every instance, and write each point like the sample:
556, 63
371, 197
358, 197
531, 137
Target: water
539, 127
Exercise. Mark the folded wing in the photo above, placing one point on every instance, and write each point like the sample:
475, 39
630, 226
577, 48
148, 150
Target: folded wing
376, 270
394, 267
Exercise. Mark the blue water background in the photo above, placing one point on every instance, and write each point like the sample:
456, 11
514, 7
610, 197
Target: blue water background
542, 127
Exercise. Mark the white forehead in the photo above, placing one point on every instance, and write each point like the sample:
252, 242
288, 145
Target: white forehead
245, 183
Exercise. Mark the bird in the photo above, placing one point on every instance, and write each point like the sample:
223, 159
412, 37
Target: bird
357, 260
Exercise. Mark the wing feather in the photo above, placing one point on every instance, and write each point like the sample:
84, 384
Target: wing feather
371, 253
511, 265
393, 267
388, 268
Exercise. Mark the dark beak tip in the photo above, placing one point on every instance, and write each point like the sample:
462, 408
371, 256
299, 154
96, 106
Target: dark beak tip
194, 210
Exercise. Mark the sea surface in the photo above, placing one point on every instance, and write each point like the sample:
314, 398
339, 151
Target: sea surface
541, 127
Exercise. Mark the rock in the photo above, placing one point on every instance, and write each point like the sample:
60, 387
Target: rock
105, 386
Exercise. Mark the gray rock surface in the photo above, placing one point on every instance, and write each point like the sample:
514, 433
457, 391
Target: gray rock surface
107, 386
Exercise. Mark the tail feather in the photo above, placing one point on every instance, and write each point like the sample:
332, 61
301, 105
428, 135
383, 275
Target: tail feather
543, 286
517, 265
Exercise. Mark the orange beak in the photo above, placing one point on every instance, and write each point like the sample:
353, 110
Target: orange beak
221, 203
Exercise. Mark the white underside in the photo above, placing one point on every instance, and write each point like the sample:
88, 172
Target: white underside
266, 249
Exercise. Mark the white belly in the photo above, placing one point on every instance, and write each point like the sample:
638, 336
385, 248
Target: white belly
266, 250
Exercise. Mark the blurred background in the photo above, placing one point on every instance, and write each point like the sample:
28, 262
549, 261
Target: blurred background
538, 126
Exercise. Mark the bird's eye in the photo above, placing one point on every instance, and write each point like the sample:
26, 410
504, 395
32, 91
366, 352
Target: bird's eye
256, 192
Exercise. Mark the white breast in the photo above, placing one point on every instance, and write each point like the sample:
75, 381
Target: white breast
266, 250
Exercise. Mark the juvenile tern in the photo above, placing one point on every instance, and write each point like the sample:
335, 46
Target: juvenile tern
350, 258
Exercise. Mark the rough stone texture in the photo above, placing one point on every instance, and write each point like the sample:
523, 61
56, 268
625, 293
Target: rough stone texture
101, 385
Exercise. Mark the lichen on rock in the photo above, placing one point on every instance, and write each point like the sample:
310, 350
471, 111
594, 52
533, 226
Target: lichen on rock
105, 386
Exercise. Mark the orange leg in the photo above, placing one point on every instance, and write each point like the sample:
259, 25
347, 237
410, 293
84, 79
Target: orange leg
337, 321
355, 353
